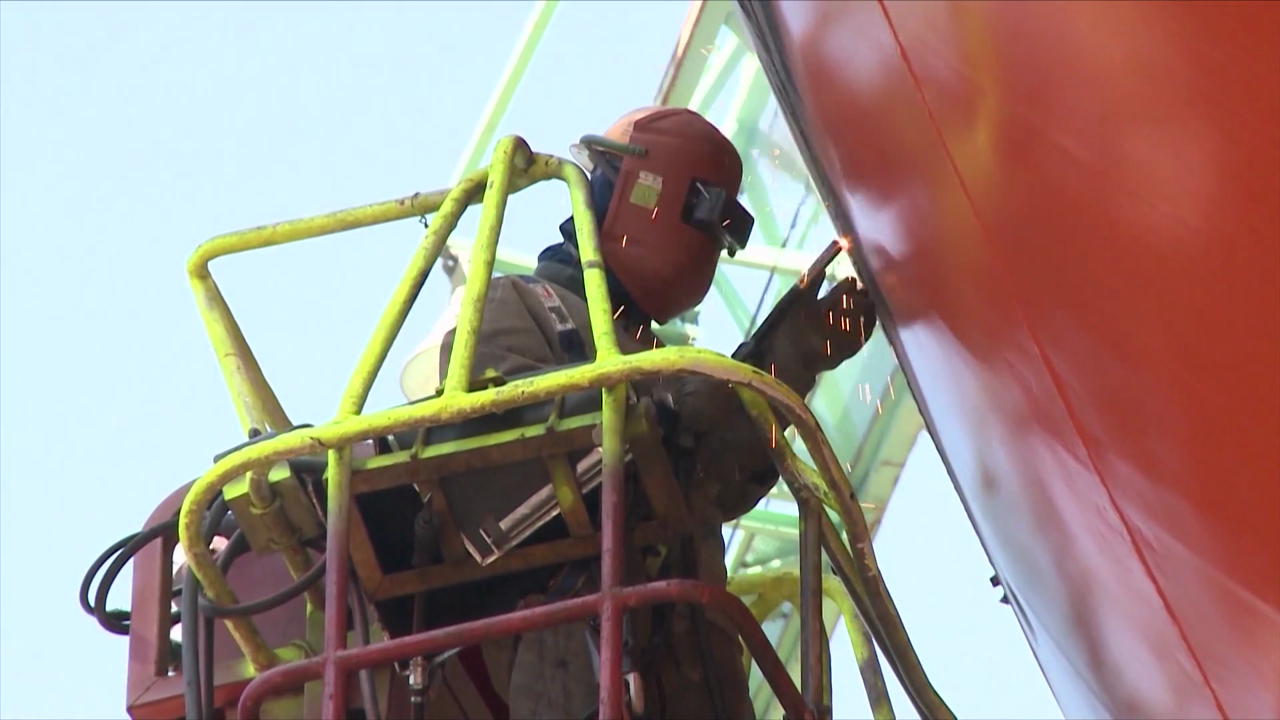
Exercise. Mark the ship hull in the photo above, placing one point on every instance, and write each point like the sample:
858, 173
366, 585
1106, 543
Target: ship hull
1071, 212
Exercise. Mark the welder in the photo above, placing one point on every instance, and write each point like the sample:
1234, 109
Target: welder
664, 185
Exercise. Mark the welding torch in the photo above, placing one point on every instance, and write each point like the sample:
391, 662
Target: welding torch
808, 282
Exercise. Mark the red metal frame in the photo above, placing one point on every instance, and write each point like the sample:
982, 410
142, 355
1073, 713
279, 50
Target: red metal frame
151, 692
336, 663
340, 664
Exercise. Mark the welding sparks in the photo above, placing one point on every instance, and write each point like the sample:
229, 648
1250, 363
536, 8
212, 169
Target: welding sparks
862, 325
772, 370
655, 342
620, 309
879, 410
638, 331
773, 436
828, 348
831, 317
844, 243
869, 506
859, 391
890, 381
654, 216
868, 385
624, 241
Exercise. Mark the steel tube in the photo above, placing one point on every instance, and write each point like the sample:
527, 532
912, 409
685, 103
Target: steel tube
284, 678
334, 699
813, 639
613, 548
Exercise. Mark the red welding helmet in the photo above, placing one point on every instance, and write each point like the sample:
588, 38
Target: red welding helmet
674, 206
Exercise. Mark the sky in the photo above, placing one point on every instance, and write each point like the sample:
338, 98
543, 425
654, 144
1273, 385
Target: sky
131, 132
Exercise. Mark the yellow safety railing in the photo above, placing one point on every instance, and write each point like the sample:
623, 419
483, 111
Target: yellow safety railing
514, 168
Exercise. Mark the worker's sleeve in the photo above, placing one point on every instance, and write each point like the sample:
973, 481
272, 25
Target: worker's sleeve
732, 468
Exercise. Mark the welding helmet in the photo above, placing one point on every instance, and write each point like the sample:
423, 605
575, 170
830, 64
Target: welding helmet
674, 206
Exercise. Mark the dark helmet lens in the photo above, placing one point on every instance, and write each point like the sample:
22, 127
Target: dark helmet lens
713, 211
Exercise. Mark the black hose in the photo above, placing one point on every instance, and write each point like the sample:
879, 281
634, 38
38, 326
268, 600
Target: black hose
86, 585
238, 546
116, 622
191, 648
197, 651
196, 647
266, 604
206, 667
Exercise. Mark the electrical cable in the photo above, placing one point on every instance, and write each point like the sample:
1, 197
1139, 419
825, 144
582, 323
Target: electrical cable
773, 270
117, 622
116, 557
196, 648
266, 604
197, 676
190, 649
237, 547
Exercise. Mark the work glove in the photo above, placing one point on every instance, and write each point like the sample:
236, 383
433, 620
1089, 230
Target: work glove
732, 468
819, 333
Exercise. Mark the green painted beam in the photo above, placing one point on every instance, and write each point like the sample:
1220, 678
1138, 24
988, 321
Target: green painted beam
766, 703
725, 59
690, 57
749, 102
477, 148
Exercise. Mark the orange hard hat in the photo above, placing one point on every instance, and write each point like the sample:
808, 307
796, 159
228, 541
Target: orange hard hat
674, 206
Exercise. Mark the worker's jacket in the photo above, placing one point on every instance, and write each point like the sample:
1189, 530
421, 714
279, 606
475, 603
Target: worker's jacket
551, 674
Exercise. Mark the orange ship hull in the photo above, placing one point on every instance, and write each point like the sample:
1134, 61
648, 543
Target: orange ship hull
1072, 214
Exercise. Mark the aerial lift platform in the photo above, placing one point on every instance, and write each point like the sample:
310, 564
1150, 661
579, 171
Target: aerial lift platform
290, 487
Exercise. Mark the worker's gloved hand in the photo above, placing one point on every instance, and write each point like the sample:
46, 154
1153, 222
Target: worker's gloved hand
820, 333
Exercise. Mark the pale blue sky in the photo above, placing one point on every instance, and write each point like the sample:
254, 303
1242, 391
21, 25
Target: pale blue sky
130, 132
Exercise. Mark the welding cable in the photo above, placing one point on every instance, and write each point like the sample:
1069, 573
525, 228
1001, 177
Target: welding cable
119, 554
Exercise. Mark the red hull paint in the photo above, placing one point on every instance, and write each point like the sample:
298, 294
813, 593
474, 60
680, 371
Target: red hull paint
1072, 211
